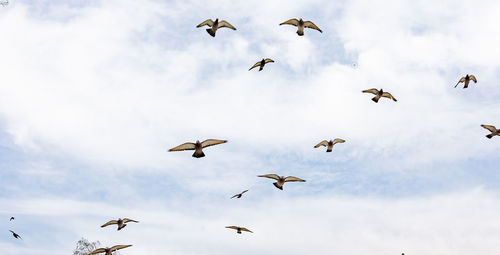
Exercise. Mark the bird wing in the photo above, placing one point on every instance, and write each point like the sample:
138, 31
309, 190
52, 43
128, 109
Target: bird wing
272, 176
254, 66
293, 179
293, 22
338, 140
246, 229
210, 142
234, 196
224, 23
244, 191
309, 24
388, 95
461, 80
125, 220
98, 251
111, 222
232, 227
207, 22
373, 91
472, 77
490, 128
183, 147
322, 143
268, 60
118, 247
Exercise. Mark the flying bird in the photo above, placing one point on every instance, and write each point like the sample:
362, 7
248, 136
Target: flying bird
239, 195
493, 131
197, 147
300, 24
108, 251
261, 63
281, 179
329, 144
378, 94
15, 235
11, 218
466, 79
239, 229
215, 25
120, 222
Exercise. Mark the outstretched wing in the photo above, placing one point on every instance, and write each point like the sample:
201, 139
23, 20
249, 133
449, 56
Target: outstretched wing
207, 22
98, 251
373, 91
268, 60
243, 191
293, 179
293, 22
118, 247
388, 95
490, 128
233, 227
183, 147
338, 140
111, 222
322, 143
254, 66
125, 220
272, 176
472, 77
210, 142
461, 80
309, 24
224, 23
246, 229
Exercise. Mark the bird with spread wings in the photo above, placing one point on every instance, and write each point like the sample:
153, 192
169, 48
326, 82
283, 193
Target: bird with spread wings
492, 129
239, 195
466, 79
261, 64
239, 229
281, 179
214, 25
329, 144
108, 251
300, 24
378, 94
197, 146
120, 222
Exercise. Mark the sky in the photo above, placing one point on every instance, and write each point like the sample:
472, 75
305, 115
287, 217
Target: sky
94, 93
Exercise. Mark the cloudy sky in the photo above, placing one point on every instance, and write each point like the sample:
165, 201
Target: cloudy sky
93, 94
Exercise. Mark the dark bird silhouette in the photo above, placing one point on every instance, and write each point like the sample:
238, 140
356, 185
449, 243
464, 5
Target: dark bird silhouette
466, 79
239, 195
214, 25
300, 24
11, 218
378, 94
197, 147
15, 235
108, 251
493, 131
239, 229
281, 179
329, 144
120, 222
261, 63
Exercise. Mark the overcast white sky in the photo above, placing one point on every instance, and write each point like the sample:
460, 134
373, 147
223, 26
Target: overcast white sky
94, 93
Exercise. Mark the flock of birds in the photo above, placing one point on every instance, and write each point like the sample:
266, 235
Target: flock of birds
279, 180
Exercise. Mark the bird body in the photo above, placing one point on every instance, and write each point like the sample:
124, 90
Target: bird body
197, 146
15, 235
239, 229
300, 24
280, 180
214, 25
329, 144
11, 218
492, 129
120, 222
261, 64
108, 251
378, 94
239, 195
466, 79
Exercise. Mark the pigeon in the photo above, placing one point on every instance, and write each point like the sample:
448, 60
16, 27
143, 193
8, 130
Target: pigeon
301, 25
197, 147
493, 131
261, 63
215, 25
15, 235
239, 195
120, 222
281, 179
466, 79
378, 94
239, 229
108, 251
329, 144
11, 218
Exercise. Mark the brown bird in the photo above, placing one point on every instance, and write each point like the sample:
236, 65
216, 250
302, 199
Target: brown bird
215, 25
15, 235
239, 195
108, 251
281, 179
493, 131
466, 80
197, 147
261, 64
378, 94
300, 24
120, 222
329, 144
239, 229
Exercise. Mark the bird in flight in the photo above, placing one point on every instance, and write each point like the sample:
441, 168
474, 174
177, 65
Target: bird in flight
197, 147
239, 195
214, 25
493, 131
239, 229
281, 179
378, 94
466, 79
15, 235
261, 63
120, 222
300, 24
11, 218
108, 251
329, 144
